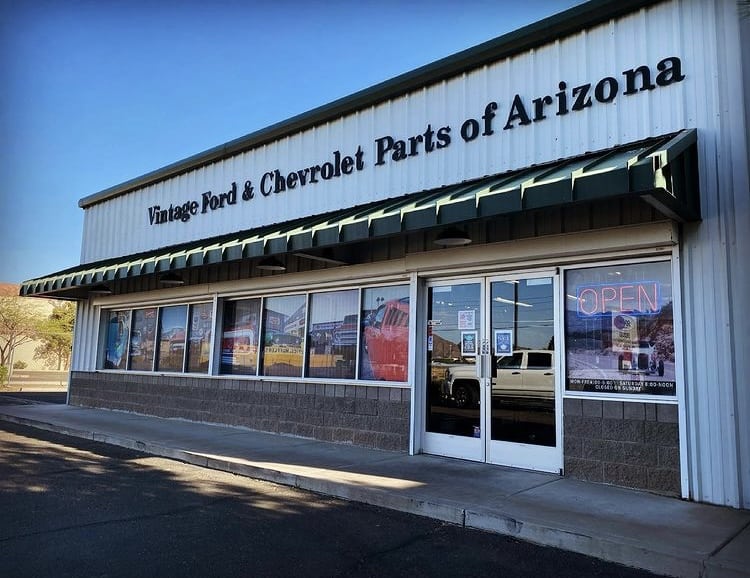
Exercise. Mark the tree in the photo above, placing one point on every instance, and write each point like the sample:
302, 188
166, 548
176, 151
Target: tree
56, 336
19, 321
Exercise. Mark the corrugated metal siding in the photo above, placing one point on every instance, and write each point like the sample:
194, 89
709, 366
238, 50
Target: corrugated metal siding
715, 256
85, 338
741, 278
120, 226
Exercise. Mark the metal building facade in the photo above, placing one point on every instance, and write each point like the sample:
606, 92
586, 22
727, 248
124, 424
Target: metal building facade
706, 41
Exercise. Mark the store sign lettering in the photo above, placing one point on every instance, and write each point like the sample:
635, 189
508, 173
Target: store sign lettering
386, 149
641, 297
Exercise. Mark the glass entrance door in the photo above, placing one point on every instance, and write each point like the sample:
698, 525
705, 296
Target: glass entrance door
454, 393
522, 409
491, 371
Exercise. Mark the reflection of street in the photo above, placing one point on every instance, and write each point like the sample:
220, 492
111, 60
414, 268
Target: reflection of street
513, 420
453, 420
523, 421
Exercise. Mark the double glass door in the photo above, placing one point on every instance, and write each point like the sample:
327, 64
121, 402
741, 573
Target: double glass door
491, 391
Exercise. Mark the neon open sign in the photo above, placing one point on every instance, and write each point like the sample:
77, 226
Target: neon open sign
641, 297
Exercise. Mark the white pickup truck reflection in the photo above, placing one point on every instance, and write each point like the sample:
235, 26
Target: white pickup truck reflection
525, 374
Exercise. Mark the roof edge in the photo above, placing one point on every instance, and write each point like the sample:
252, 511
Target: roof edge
533, 35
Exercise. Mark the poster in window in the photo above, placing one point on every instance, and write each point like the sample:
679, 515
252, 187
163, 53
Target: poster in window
142, 340
619, 335
172, 334
240, 336
284, 320
503, 342
468, 343
199, 337
384, 333
118, 333
332, 334
466, 319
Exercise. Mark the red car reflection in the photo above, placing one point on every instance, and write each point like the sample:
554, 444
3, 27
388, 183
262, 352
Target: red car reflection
387, 340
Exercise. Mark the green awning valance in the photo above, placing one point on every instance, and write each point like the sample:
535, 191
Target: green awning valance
661, 171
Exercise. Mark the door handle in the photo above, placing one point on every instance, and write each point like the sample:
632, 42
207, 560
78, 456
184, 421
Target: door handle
516, 373
482, 357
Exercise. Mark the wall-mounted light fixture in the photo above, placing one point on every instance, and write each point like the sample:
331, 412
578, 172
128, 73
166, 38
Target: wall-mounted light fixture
271, 264
452, 237
100, 289
171, 280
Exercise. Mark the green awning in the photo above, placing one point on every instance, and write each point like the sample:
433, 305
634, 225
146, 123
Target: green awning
661, 171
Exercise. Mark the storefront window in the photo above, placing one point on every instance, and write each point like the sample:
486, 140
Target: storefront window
283, 336
269, 336
619, 334
384, 349
199, 337
172, 330
142, 340
240, 336
332, 334
118, 333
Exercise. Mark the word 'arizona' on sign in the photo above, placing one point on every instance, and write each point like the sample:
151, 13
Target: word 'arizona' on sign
520, 112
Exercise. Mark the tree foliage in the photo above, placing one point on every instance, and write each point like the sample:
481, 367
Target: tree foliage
56, 336
19, 323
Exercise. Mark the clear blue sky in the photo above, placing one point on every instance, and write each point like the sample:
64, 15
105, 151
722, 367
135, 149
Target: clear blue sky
94, 93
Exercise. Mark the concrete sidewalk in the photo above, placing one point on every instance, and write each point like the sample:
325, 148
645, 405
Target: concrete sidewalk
664, 535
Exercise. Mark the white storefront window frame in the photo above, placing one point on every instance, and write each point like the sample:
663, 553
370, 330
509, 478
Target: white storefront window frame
676, 328
218, 297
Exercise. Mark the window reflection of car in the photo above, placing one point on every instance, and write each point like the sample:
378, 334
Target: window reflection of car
386, 340
526, 374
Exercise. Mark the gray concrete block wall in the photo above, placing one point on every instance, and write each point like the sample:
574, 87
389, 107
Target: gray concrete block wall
364, 415
631, 444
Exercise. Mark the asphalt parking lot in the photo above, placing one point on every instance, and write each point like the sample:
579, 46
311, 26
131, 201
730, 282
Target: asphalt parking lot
75, 507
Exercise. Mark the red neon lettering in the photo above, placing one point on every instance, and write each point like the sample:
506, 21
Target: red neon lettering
652, 300
623, 298
582, 301
636, 297
606, 299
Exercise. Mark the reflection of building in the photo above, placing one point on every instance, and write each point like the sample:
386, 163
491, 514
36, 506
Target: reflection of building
295, 324
563, 173
445, 348
276, 321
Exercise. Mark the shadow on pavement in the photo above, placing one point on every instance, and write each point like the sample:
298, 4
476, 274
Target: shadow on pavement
11, 397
